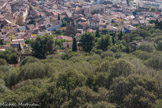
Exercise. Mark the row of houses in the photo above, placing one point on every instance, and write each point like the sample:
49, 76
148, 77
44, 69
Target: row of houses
27, 19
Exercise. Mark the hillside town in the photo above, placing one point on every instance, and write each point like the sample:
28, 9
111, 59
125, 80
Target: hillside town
21, 20
81, 53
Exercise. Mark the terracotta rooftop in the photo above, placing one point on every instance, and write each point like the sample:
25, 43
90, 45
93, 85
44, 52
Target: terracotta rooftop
65, 37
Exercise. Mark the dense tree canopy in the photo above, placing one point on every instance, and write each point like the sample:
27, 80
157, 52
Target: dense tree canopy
87, 41
134, 91
42, 46
10, 55
103, 42
125, 74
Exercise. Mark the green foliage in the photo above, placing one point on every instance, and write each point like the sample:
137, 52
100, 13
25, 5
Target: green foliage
158, 25
103, 42
12, 78
59, 42
119, 68
10, 55
66, 55
34, 82
158, 104
107, 77
27, 71
134, 91
3, 62
42, 46
5, 70
2, 42
97, 33
3, 88
87, 41
120, 36
82, 95
104, 105
97, 80
69, 80
34, 70
128, 2
159, 45
145, 46
52, 97
96, 51
142, 55
29, 60
58, 18
22, 95
138, 34
114, 69
107, 54
157, 39
117, 48
155, 62
29, 41
74, 47
58, 32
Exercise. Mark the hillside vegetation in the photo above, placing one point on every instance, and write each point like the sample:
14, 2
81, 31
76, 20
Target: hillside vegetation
109, 73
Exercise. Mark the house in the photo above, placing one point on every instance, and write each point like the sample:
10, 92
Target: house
95, 9
67, 38
22, 28
23, 56
4, 23
82, 25
112, 29
128, 28
68, 16
18, 44
91, 30
55, 26
144, 22
135, 22
102, 25
3, 47
127, 22
68, 45
30, 26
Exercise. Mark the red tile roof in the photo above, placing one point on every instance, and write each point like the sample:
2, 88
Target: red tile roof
65, 37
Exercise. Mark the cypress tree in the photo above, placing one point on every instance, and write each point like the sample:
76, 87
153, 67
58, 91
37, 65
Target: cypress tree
97, 33
58, 17
113, 38
120, 35
127, 2
74, 47
157, 23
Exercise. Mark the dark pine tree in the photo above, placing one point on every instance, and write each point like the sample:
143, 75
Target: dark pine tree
156, 23
120, 35
97, 33
58, 18
127, 2
113, 38
74, 47
1, 42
